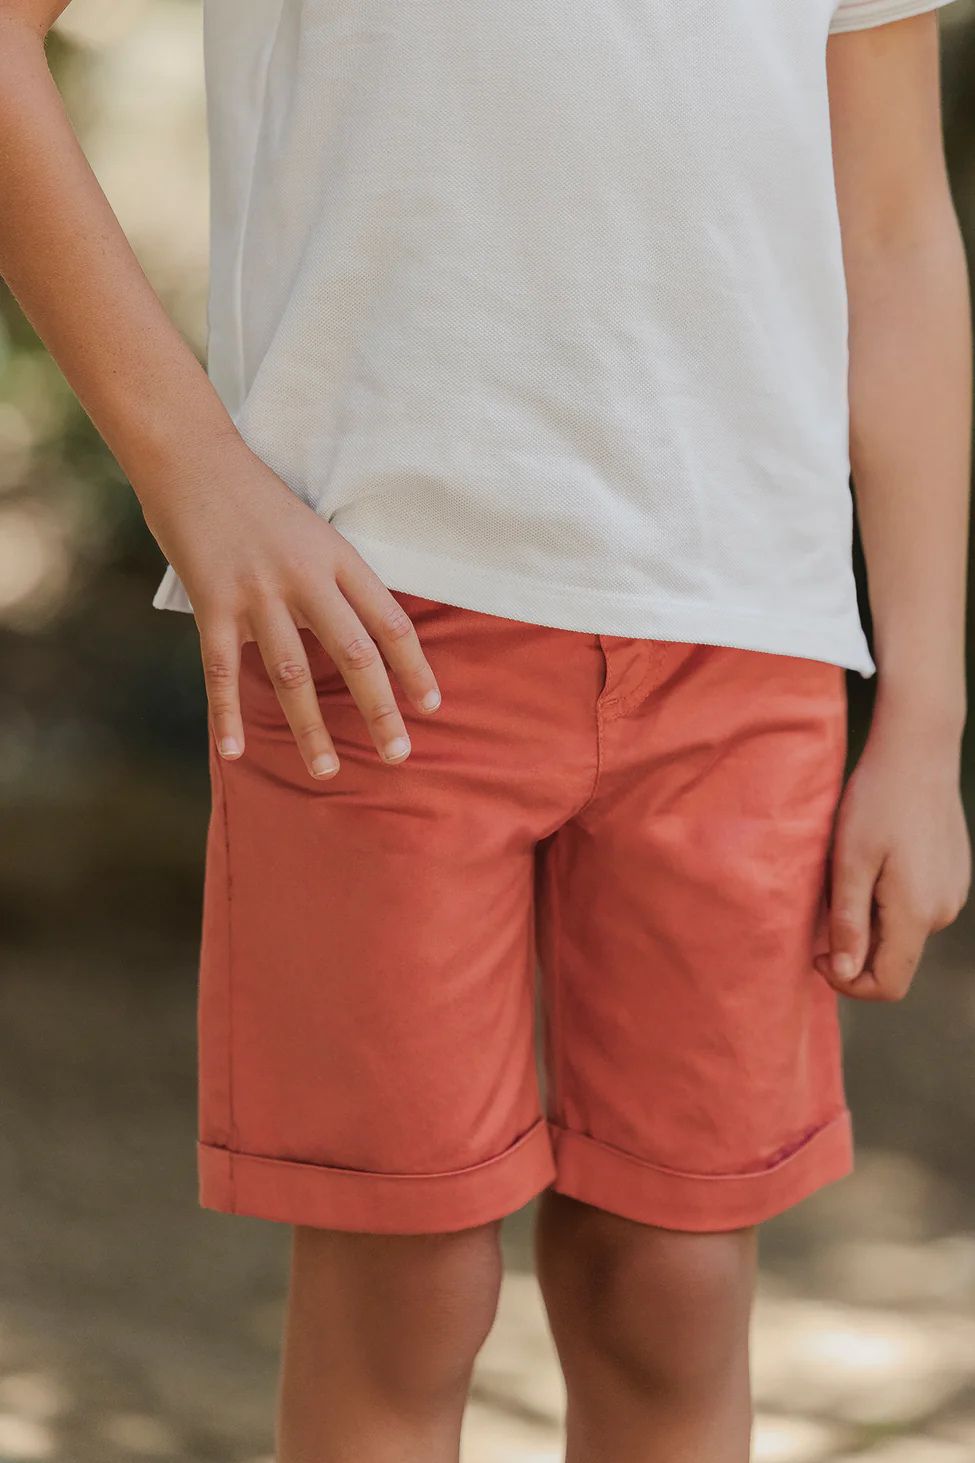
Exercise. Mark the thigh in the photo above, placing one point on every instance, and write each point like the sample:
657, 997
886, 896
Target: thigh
694, 1049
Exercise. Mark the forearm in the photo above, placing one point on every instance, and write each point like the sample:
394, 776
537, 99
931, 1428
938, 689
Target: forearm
66, 259
910, 395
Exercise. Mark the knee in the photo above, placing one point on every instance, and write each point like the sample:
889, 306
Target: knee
667, 1311
445, 1301
415, 1309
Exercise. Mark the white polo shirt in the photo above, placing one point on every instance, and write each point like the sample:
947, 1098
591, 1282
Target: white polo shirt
541, 302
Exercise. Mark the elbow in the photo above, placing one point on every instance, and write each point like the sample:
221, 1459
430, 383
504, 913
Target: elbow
22, 53
910, 223
25, 21
905, 258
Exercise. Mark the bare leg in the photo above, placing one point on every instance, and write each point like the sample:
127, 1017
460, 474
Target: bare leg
652, 1331
381, 1336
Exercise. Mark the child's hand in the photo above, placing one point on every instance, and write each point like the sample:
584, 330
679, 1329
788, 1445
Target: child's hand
258, 564
901, 862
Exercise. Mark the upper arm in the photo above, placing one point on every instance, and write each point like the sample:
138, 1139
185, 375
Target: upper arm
40, 15
885, 111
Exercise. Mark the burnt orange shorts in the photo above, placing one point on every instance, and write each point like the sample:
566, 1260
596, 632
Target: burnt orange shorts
650, 819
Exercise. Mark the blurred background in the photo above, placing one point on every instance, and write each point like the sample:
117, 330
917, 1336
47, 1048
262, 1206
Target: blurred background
132, 1325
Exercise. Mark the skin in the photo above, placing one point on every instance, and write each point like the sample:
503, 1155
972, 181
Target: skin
901, 863
381, 1337
257, 563
651, 1326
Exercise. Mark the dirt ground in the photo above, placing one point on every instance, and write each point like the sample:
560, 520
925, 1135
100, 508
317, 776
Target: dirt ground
134, 1326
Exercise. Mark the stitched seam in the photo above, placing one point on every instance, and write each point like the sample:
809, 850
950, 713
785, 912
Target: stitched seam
600, 706
779, 1161
229, 981
496, 1160
598, 761
600, 755
655, 658
554, 1009
555, 1013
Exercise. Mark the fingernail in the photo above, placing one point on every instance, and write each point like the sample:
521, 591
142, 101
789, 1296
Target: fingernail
431, 701
844, 967
324, 766
230, 747
397, 749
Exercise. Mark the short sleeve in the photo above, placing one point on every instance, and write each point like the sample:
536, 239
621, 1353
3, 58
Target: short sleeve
859, 14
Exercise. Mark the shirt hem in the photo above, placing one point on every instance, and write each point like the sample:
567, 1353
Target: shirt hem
594, 611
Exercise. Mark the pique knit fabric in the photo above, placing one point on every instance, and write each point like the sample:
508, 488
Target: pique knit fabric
541, 302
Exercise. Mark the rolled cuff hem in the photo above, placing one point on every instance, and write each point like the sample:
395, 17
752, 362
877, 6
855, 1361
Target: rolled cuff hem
611, 1179
310, 1194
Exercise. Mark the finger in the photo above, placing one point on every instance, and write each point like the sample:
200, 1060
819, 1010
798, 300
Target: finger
220, 654
357, 657
900, 943
394, 633
853, 877
862, 987
892, 984
287, 666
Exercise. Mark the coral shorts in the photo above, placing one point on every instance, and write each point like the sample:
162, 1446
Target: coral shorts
646, 822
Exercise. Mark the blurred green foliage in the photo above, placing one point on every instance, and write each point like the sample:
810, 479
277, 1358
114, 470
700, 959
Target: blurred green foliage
91, 674
92, 679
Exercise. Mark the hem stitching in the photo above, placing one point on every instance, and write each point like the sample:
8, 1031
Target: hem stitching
835, 1124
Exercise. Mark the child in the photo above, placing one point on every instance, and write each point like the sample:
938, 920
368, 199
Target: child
529, 360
